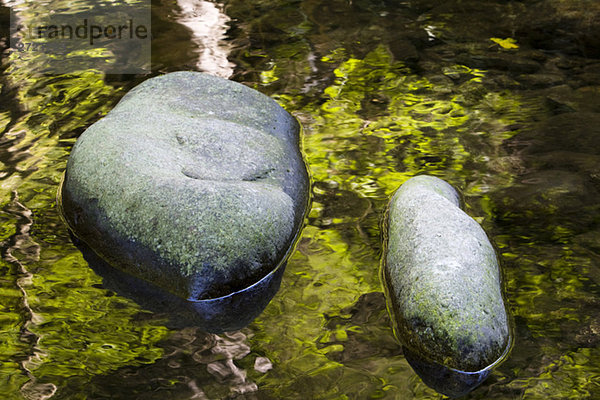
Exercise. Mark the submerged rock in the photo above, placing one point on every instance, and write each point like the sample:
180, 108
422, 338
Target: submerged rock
583, 137
443, 280
193, 183
448, 381
222, 314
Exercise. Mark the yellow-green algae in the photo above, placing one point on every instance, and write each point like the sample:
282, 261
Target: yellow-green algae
57, 323
352, 157
548, 270
362, 156
351, 166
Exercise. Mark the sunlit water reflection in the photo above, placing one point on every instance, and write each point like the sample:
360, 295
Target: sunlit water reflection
385, 90
208, 24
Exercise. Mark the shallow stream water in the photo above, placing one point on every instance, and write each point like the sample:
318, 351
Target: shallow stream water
500, 98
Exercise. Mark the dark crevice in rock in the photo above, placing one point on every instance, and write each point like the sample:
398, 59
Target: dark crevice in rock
258, 175
191, 174
252, 177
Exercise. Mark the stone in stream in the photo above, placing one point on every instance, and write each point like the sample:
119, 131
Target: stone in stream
193, 184
443, 286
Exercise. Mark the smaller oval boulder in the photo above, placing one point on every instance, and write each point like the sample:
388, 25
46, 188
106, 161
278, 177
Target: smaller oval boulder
193, 183
443, 280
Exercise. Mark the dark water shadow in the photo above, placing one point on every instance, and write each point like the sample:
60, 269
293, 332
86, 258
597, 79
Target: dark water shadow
222, 314
449, 381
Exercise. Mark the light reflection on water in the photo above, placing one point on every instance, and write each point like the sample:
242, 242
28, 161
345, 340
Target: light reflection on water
384, 91
208, 25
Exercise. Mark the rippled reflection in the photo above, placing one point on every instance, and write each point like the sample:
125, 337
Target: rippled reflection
208, 24
195, 364
385, 90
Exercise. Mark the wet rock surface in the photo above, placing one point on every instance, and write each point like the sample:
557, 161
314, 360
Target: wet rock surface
550, 253
443, 279
193, 183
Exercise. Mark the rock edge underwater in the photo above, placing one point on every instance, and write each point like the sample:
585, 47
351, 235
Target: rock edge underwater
443, 287
192, 183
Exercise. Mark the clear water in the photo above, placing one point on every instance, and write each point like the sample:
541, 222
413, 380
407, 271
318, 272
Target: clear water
385, 90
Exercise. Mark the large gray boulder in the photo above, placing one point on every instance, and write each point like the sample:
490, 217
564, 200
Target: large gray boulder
442, 279
192, 182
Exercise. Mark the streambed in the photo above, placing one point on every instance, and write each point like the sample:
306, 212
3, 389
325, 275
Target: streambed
499, 98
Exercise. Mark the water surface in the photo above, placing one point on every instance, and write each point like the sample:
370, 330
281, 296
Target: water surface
499, 98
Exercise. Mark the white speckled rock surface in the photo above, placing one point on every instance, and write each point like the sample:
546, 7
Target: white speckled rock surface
443, 278
192, 182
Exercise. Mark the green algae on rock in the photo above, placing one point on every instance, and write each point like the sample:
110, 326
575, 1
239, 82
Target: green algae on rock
443, 279
192, 182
